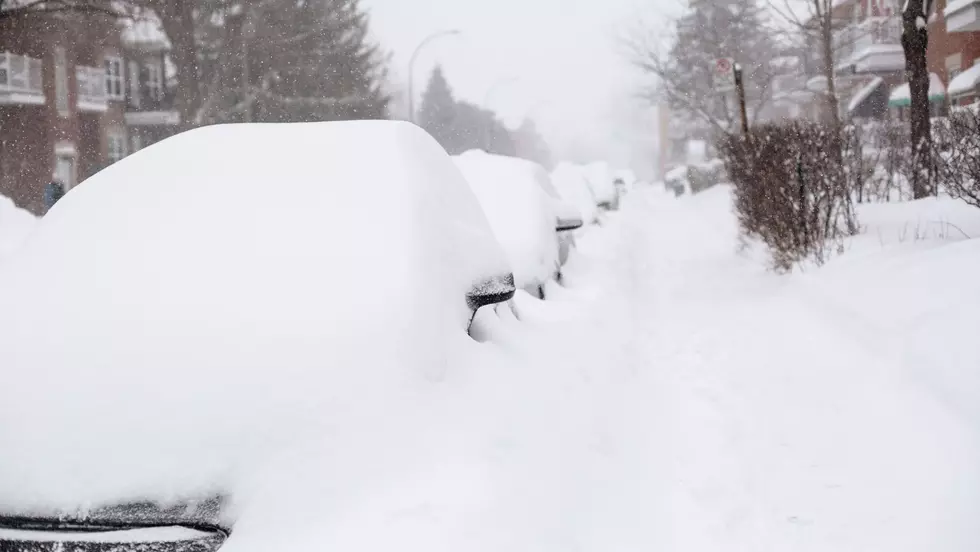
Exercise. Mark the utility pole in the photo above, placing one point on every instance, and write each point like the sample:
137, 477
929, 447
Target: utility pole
740, 91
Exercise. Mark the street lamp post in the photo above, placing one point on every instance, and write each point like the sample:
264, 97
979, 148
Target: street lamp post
411, 67
497, 84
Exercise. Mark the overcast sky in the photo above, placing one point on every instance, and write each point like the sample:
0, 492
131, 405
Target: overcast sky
557, 61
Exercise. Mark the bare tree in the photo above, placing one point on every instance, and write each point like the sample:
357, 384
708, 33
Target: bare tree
817, 27
682, 72
915, 39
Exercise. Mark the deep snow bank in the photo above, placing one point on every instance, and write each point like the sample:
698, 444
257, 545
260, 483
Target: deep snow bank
254, 310
15, 225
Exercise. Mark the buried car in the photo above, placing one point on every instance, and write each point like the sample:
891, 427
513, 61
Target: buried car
571, 183
528, 217
182, 323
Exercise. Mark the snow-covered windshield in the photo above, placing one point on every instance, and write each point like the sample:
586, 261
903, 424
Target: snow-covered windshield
466, 276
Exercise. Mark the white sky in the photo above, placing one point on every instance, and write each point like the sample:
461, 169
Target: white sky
558, 61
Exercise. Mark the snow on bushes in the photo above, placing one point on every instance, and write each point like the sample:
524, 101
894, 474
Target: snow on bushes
957, 151
791, 190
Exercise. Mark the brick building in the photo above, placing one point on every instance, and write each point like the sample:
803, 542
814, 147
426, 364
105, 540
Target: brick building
75, 96
954, 49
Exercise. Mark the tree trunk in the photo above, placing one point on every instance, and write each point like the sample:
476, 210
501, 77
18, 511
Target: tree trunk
827, 44
915, 39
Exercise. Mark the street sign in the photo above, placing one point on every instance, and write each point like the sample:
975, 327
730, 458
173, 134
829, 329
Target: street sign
724, 75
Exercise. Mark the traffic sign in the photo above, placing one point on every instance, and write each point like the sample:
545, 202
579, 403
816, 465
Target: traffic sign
724, 75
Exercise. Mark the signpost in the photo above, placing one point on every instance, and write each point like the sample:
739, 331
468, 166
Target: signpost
740, 90
728, 77
724, 77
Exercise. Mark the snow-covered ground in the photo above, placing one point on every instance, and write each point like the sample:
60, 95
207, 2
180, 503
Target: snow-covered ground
15, 225
709, 405
674, 396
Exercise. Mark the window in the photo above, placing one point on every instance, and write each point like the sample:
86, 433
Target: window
954, 65
61, 81
64, 165
154, 80
114, 80
116, 145
134, 84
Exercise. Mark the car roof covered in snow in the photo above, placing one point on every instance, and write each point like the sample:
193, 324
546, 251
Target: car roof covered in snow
172, 314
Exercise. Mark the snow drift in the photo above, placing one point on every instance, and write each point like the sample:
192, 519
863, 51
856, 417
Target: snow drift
15, 225
237, 310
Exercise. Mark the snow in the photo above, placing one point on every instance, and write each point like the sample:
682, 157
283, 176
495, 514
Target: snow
901, 93
521, 213
863, 93
965, 83
152, 534
672, 395
956, 5
574, 187
15, 225
600, 180
233, 310
720, 407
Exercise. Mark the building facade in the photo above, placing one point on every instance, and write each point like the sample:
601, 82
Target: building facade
76, 95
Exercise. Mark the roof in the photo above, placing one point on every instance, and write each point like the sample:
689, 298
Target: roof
863, 93
966, 82
901, 96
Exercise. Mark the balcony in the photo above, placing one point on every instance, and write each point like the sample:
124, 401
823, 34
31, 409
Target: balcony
91, 89
871, 46
20, 80
156, 106
962, 16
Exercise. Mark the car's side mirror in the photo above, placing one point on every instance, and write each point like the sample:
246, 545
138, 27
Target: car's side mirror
491, 291
565, 224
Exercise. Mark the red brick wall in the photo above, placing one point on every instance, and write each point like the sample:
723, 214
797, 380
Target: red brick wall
943, 44
28, 134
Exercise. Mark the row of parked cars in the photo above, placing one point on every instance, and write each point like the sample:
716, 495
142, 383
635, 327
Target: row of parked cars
244, 248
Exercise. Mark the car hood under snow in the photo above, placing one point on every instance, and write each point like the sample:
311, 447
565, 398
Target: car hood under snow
191, 316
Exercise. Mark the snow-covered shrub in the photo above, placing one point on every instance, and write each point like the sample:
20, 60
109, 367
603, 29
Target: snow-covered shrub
887, 154
705, 175
957, 149
791, 189
677, 180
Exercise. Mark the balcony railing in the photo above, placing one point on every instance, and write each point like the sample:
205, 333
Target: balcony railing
20, 79
91, 88
877, 38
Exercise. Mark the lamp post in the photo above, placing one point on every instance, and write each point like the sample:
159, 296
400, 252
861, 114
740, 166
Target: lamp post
411, 67
497, 84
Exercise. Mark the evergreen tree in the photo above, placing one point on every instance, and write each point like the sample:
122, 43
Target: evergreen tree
438, 112
313, 61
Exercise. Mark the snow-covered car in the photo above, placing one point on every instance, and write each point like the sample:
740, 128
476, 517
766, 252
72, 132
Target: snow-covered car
601, 182
184, 322
571, 183
569, 218
525, 217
